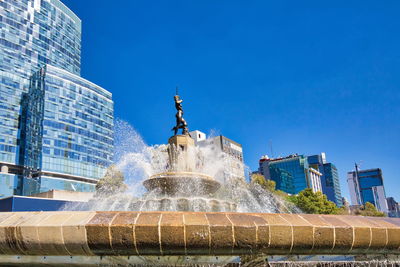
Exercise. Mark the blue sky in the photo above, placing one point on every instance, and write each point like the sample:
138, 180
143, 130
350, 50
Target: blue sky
311, 76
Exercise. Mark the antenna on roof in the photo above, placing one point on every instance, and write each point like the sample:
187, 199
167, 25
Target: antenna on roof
270, 147
358, 165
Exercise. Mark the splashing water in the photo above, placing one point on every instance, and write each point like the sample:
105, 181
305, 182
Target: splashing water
138, 162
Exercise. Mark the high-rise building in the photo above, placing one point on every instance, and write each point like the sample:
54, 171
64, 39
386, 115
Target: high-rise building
231, 150
292, 174
283, 178
367, 186
329, 179
393, 208
56, 128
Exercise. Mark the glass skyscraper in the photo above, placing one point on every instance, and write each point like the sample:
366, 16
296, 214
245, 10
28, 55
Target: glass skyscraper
289, 173
56, 128
367, 186
282, 178
329, 179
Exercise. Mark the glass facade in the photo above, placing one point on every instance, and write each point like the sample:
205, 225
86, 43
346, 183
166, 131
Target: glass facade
8, 184
332, 185
283, 179
56, 128
69, 126
32, 33
367, 186
367, 180
292, 169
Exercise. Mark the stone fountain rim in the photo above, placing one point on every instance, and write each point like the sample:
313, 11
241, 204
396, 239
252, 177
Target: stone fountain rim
194, 233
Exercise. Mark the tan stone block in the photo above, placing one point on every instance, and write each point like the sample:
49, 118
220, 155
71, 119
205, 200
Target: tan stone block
378, 233
198, 237
280, 232
172, 234
98, 232
393, 239
122, 238
245, 232
146, 233
9, 236
362, 232
344, 234
28, 235
221, 231
324, 233
3, 217
392, 233
303, 233
262, 232
74, 233
50, 234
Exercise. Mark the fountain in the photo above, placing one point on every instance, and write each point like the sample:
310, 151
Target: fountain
192, 190
183, 221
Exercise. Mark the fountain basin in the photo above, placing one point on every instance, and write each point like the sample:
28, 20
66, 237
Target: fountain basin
194, 233
196, 204
182, 184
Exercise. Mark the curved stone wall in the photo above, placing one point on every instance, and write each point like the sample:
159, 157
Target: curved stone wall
194, 233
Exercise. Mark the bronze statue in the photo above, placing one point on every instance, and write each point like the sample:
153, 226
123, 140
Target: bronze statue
180, 121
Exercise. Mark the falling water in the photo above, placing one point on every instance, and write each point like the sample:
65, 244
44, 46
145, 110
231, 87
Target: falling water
138, 161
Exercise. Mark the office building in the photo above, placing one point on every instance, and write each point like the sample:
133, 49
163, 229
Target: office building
393, 208
283, 178
56, 128
232, 153
329, 179
292, 174
367, 186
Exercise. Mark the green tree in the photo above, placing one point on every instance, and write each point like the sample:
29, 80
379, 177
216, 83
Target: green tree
369, 210
112, 183
266, 184
313, 203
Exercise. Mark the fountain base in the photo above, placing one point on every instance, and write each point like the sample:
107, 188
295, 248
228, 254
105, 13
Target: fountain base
182, 184
196, 204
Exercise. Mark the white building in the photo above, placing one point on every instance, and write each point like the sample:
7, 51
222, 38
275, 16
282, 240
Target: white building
314, 177
380, 198
354, 189
198, 136
231, 151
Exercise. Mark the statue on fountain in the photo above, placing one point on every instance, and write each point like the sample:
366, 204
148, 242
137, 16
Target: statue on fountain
180, 121
182, 186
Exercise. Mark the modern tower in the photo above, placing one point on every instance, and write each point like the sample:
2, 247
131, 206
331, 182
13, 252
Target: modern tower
56, 128
329, 179
292, 174
367, 186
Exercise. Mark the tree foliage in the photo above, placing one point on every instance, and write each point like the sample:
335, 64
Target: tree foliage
112, 183
369, 210
266, 184
314, 203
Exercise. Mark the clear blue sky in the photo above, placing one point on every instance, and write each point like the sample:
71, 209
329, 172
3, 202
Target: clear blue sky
312, 76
